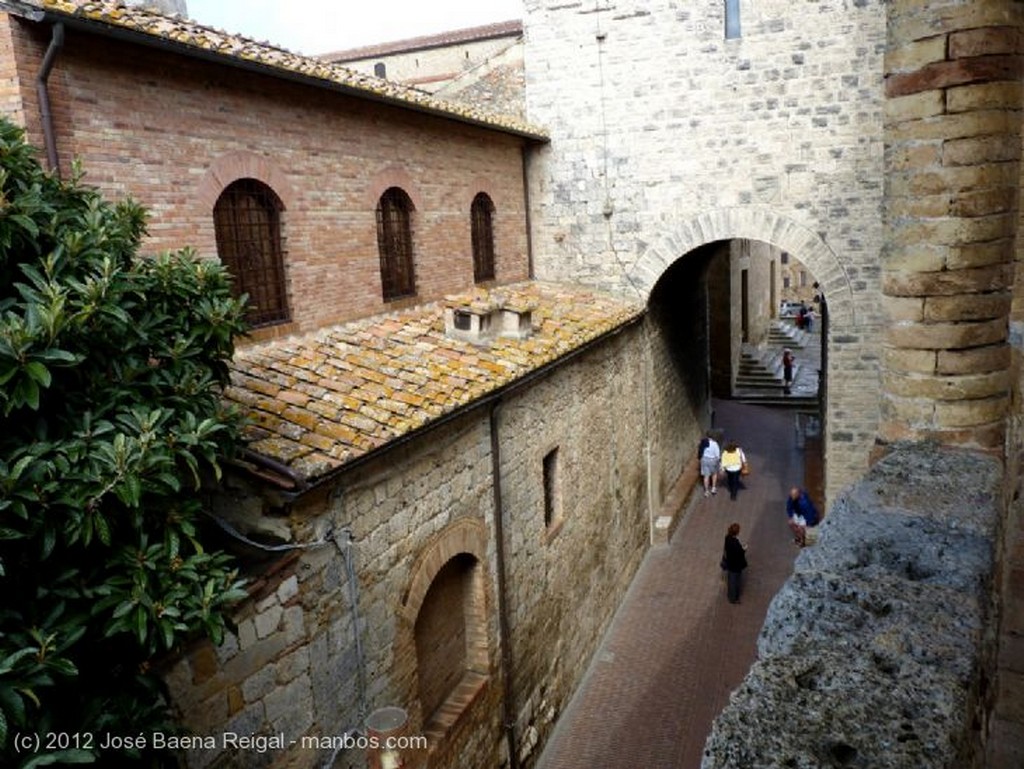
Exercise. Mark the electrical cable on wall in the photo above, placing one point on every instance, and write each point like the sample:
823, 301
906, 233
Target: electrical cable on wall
232, 531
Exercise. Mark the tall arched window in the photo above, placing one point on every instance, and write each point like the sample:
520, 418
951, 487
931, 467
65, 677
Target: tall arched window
482, 215
394, 241
247, 222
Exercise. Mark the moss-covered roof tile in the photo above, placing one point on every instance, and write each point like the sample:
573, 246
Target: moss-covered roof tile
359, 408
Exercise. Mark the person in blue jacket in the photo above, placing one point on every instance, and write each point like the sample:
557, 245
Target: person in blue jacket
801, 512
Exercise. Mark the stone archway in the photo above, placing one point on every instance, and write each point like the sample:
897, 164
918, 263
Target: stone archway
849, 344
679, 238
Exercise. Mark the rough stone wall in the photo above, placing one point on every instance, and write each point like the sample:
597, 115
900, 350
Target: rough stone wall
497, 84
953, 146
173, 132
566, 581
878, 650
293, 666
678, 384
666, 136
431, 69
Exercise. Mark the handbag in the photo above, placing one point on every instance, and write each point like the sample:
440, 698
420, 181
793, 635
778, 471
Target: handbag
745, 469
724, 564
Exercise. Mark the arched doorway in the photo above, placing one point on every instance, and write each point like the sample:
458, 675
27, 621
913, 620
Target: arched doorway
845, 436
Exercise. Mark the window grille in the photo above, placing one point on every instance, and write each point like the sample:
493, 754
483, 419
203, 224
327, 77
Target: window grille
247, 226
394, 242
482, 214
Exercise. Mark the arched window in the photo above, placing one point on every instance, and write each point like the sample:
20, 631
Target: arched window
247, 222
380, 69
394, 241
451, 640
482, 215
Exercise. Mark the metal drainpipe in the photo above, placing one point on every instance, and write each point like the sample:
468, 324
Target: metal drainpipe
525, 152
508, 701
49, 139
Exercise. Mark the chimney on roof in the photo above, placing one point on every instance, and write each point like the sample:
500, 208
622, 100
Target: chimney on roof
479, 318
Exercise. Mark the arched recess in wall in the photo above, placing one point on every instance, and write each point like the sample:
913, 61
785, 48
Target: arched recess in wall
392, 176
676, 239
227, 168
441, 643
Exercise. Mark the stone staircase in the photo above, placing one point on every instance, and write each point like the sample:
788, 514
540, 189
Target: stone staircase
757, 374
759, 378
784, 334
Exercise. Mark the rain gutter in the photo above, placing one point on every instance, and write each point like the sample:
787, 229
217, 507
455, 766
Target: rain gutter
127, 35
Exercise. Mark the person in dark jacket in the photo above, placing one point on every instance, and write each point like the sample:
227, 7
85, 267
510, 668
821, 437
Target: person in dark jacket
734, 561
801, 512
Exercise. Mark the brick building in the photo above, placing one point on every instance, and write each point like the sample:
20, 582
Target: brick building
465, 508
431, 441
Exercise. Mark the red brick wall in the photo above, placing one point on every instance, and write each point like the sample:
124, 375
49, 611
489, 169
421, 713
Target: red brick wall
173, 131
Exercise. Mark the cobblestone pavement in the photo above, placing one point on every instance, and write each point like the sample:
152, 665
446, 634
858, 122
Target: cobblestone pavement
676, 648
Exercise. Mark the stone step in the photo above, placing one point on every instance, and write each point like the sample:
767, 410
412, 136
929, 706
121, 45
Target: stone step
784, 401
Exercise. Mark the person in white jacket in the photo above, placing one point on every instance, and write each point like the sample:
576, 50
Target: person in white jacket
710, 455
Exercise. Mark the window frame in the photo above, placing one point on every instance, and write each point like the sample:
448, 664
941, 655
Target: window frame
244, 208
482, 237
395, 244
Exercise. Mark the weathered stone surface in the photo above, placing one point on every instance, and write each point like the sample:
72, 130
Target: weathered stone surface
975, 361
826, 710
870, 654
938, 336
984, 96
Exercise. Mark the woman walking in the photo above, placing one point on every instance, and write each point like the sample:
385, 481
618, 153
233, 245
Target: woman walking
733, 460
734, 561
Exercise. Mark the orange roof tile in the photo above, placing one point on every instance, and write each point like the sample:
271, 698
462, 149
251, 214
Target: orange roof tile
340, 392
189, 36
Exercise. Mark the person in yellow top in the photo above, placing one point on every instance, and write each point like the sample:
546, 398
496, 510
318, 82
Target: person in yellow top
733, 461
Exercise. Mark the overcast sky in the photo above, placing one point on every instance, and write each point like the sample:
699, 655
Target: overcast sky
319, 26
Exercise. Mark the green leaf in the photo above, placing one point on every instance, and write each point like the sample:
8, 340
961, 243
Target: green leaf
61, 757
38, 372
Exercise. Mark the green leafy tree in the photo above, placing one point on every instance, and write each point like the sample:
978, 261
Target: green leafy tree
111, 372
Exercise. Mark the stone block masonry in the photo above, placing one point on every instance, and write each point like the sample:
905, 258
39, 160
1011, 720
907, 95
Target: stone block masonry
574, 534
665, 136
953, 145
877, 651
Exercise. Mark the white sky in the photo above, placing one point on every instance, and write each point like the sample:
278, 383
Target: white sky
318, 26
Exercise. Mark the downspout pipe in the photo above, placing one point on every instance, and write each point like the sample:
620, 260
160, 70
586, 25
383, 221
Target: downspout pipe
43, 92
525, 151
508, 707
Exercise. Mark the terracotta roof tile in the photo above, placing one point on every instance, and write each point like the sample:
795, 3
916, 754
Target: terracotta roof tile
101, 16
318, 401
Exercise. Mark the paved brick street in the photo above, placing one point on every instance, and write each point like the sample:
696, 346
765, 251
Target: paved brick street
677, 648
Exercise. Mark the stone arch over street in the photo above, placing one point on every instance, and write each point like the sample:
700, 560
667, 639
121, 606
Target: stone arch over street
680, 238
675, 242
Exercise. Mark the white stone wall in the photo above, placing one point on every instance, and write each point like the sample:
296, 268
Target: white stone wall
666, 136
431, 68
